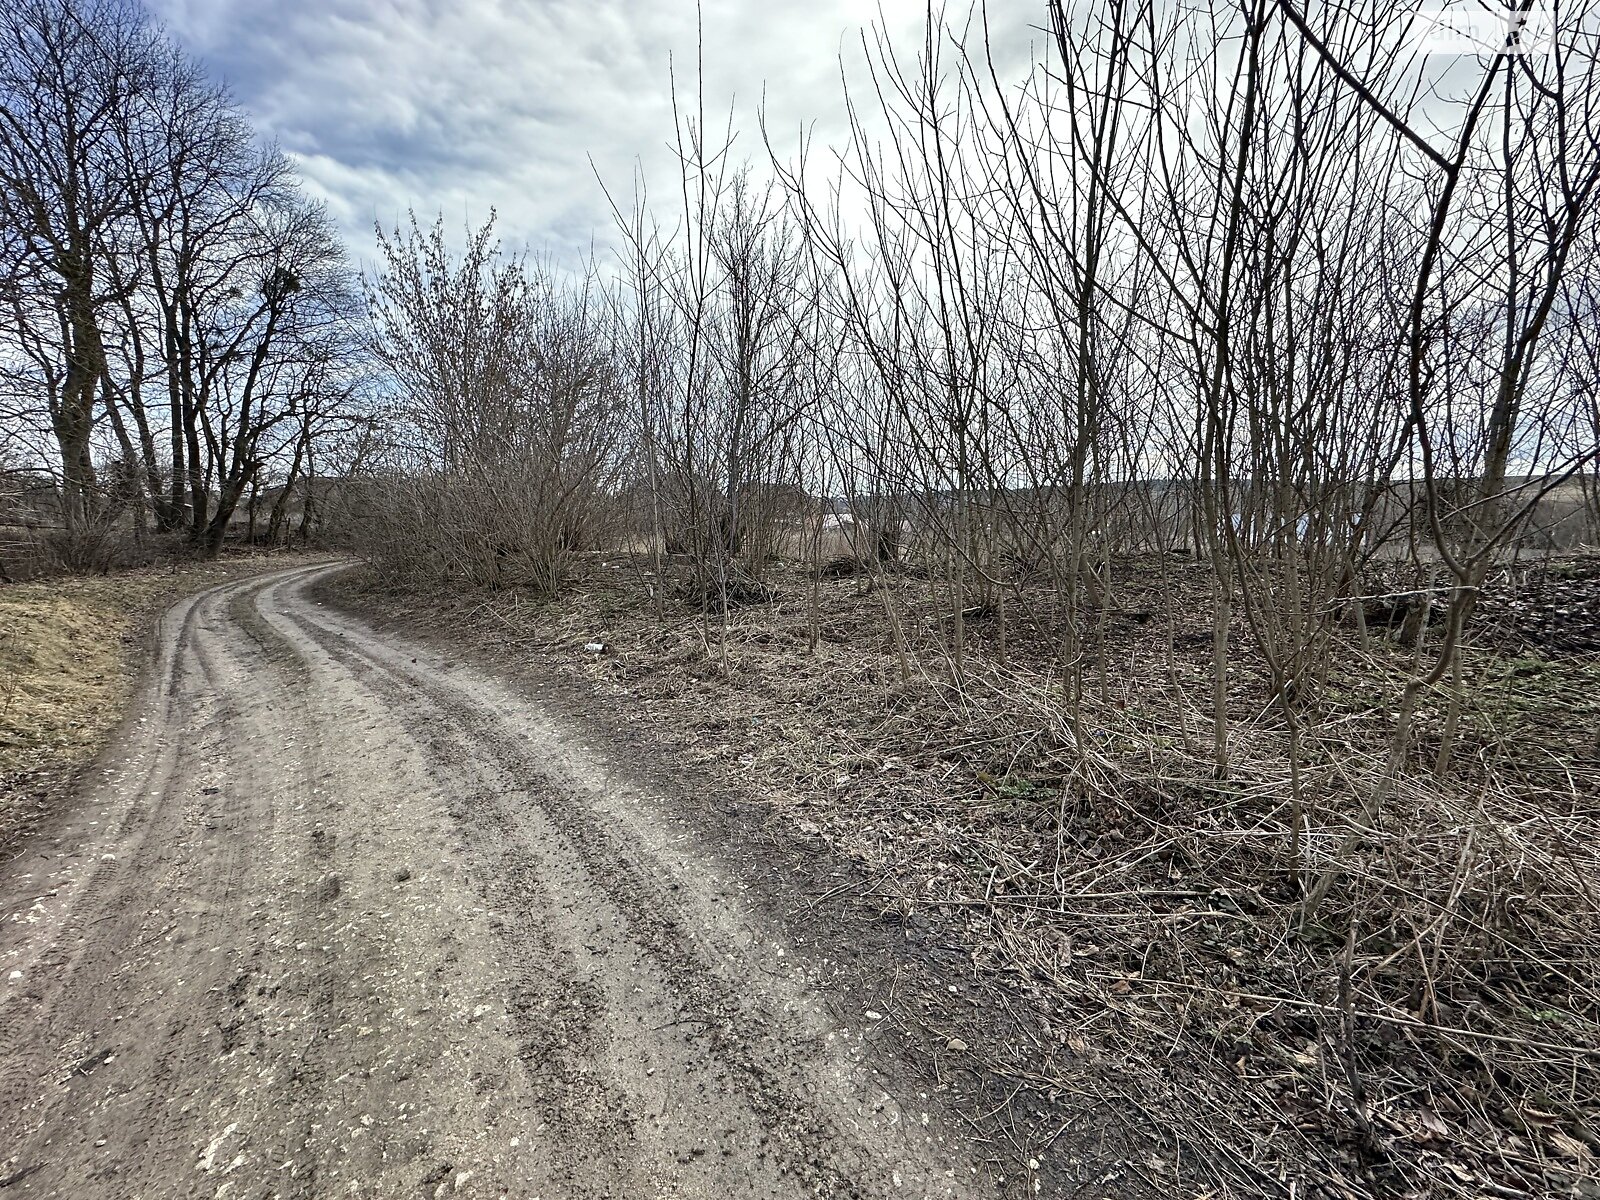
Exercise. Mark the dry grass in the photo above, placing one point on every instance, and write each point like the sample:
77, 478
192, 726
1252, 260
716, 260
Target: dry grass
63, 650
1435, 1032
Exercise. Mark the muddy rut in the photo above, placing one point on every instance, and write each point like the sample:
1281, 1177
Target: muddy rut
339, 916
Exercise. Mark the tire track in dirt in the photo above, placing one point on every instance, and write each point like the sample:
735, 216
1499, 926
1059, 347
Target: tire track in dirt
535, 792
163, 863
561, 1019
373, 925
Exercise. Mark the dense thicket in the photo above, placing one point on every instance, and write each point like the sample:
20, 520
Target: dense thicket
176, 327
505, 444
1282, 290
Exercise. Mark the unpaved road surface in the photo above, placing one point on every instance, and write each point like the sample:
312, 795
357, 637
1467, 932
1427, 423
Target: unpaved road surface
338, 916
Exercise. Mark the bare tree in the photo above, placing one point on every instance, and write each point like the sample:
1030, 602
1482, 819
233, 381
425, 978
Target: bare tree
68, 73
511, 397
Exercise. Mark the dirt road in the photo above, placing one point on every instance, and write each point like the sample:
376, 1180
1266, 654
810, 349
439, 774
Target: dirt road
341, 917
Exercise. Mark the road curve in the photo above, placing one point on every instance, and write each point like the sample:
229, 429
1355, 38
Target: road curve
341, 917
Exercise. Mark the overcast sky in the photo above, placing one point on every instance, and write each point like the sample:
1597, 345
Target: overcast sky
457, 106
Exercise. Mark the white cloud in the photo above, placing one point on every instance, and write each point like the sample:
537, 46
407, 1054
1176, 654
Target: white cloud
457, 106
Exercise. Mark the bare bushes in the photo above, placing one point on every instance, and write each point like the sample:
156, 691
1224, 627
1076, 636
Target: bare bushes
720, 333
1329, 342
484, 529
507, 417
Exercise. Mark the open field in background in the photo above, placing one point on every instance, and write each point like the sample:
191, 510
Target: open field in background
70, 651
1434, 1031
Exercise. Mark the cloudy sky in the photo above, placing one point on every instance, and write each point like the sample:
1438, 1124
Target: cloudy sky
457, 106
